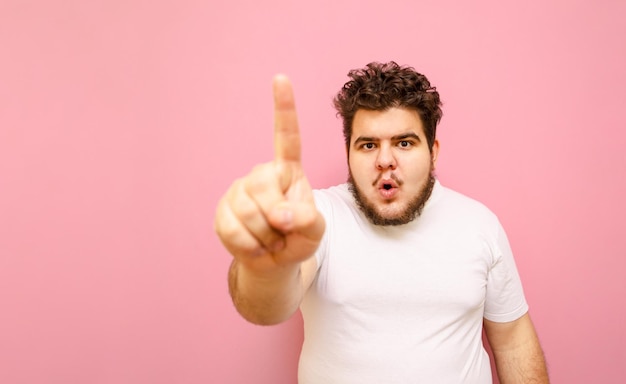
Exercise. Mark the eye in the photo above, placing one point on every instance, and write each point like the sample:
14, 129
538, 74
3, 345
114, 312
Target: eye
405, 144
368, 146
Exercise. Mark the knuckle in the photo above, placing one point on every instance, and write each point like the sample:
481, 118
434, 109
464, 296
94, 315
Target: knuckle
238, 242
221, 217
226, 224
259, 180
227, 230
245, 209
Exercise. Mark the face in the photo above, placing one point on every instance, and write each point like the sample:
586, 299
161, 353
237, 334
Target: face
391, 167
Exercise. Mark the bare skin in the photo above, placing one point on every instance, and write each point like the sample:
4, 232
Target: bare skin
269, 223
516, 351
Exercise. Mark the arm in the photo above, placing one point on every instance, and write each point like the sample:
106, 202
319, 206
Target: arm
268, 222
272, 298
516, 350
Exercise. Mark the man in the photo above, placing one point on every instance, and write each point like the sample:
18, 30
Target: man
396, 275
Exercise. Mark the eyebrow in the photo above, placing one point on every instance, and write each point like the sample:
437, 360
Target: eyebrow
403, 136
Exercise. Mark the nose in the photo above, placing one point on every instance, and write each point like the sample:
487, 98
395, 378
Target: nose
385, 158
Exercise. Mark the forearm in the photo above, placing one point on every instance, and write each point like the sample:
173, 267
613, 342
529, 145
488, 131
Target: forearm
524, 364
268, 298
517, 352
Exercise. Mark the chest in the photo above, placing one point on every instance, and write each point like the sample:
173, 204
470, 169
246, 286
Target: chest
417, 270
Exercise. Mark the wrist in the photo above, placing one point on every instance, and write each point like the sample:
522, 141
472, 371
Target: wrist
266, 274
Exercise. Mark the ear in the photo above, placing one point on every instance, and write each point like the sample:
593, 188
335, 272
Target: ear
434, 152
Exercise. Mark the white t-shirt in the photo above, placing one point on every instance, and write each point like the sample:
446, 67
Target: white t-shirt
405, 304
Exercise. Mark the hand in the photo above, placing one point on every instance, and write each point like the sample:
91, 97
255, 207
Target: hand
268, 218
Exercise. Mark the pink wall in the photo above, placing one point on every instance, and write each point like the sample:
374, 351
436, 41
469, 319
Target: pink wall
122, 122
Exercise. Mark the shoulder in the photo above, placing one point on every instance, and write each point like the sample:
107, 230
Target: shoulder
335, 191
456, 207
338, 207
333, 197
455, 197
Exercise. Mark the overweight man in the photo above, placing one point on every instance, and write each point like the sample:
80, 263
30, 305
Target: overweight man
396, 275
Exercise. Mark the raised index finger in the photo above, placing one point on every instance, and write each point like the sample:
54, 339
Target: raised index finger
286, 132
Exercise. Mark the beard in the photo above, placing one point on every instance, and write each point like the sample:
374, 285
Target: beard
411, 211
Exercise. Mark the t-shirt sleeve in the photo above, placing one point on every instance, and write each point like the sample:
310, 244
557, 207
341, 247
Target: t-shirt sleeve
505, 299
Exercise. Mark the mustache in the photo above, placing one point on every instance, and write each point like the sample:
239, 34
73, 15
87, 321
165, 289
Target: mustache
392, 176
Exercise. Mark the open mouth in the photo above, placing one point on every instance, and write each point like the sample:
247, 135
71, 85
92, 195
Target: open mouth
388, 190
388, 187
387, 184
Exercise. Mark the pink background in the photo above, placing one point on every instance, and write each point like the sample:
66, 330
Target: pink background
122, 122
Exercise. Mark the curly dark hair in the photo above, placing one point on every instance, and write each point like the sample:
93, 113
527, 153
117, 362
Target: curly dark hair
380, 86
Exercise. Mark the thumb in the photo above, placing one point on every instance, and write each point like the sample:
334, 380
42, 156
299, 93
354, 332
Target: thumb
300, 217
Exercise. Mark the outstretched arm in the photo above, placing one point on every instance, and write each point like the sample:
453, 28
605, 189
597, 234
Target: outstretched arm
268, 221
517, 353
